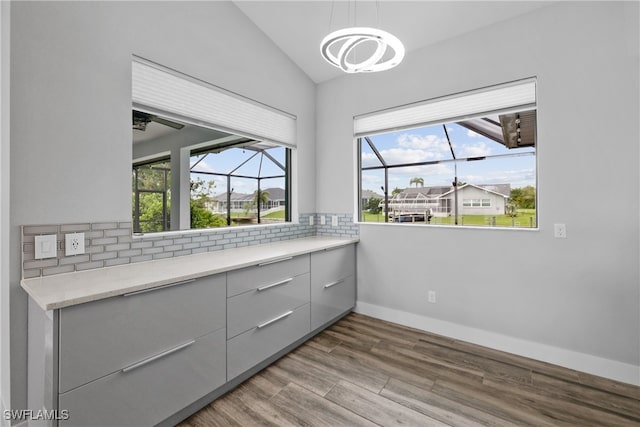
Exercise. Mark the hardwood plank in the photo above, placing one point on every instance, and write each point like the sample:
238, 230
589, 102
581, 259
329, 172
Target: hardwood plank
305, 374
501, 405
246, 408
395, 329
324, 342
433, 367
356, 341
490, 366
509, 358
266, 383
376, 408
397, 338
438, 407
344, 366
402, 368
587, 395
610, 386
313, 410
562, 410
209, 417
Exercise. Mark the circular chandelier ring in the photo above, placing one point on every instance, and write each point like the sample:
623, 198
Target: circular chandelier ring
349, 38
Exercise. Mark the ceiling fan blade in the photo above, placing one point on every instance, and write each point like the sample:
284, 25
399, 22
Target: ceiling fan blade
166, 122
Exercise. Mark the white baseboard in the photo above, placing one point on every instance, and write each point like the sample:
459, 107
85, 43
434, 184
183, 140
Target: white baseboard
594, 365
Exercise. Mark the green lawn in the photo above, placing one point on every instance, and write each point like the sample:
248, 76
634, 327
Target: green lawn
275, 215
524, 219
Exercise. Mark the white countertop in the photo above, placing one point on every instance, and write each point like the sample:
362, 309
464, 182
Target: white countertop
63, 290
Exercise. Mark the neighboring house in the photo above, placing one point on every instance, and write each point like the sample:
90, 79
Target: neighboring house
239, 200
368, 195
440, 201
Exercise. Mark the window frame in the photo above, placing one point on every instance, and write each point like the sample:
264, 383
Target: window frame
361, 137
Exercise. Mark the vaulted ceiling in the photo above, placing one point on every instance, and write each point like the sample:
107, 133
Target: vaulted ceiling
297, 27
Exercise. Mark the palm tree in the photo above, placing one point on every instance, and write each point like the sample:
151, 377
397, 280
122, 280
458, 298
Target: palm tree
416, 181
261, 196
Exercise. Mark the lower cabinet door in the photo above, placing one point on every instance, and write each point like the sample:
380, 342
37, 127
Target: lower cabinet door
257, 344
151, 390
331, 299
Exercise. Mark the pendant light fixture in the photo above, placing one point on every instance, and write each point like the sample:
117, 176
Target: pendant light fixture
378, 49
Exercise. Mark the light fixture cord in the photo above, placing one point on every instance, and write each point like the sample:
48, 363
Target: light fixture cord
331, 15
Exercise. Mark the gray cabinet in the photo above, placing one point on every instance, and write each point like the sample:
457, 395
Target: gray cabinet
257, 344
248, 279
247, 310
267, 310
100, 337
156, 388
143, 358
333, 284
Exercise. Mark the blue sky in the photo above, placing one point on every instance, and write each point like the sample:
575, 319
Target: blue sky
228, 160
430, 144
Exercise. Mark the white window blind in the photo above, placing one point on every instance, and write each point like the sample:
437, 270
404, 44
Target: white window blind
521, 94
180, 95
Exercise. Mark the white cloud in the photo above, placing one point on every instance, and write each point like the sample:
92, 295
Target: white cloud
424, 142
370, 159
479, 149
203, 166
517, 178
472, 134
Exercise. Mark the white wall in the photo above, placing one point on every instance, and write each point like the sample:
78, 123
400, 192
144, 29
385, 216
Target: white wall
5, 390
575, 298
71, 109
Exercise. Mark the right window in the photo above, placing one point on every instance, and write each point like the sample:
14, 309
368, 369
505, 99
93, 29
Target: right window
467, 160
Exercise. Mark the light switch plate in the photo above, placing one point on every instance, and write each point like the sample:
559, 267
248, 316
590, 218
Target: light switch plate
322, 220
46, 246
334, 220
311, 220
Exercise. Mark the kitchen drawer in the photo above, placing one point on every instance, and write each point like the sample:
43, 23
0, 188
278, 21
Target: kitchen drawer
252, 347
148, 394
332, 299
101, 337
248, 279
333, 264
265, 302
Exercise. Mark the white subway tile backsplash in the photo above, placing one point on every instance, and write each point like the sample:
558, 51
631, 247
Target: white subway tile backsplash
111, 243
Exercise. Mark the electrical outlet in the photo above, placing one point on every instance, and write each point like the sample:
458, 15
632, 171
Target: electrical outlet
431, 297
322, 222
311, 219
74, 244
560, 231
334, 221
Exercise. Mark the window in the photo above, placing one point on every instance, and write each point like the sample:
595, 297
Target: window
205, 157
151, 196
229, 180
241, 184
467, 159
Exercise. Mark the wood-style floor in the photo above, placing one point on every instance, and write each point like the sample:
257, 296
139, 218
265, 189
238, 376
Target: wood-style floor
364, 372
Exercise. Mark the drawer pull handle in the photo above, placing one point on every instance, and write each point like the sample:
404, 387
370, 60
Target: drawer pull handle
156, 357
274, 261
282, 316
282, 282
337, 282
144, 291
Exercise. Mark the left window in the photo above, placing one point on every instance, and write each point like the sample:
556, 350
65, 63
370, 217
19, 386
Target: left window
206, 157
228, 180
